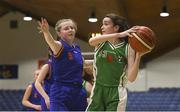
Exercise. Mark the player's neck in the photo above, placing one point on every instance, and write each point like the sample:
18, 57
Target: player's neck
116, 41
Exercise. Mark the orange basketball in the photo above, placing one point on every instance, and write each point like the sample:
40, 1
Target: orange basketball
143, 40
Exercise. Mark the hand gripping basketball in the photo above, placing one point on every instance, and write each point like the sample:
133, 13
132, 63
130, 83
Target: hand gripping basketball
143, 40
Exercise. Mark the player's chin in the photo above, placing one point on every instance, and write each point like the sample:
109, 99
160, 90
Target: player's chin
71, 37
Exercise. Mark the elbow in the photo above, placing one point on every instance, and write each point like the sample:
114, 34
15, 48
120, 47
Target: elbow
131, 79
91, 42
23, 102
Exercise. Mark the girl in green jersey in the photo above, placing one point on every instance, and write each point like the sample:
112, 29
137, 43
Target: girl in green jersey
115, 63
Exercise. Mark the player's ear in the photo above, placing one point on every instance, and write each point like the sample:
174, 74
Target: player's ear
116, 28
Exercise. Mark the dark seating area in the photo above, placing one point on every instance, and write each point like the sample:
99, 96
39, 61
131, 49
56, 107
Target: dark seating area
10, 100
156, 99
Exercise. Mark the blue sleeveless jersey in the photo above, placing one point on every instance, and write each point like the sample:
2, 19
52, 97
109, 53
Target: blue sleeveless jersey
68, 66
35, 97
66, 93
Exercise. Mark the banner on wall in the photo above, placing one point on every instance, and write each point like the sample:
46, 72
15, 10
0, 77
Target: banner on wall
8, 71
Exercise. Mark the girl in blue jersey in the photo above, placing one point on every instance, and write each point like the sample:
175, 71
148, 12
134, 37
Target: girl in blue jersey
32, 98
66, 93
43, 84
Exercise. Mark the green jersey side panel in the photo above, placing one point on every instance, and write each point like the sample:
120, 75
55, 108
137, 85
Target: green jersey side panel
110, 63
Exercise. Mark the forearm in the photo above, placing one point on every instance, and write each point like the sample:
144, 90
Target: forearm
28, 104
102, 38
51, 42
44, 28
107, 37
133, 71
40, 89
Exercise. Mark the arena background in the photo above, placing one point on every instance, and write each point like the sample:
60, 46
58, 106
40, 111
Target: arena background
24, 47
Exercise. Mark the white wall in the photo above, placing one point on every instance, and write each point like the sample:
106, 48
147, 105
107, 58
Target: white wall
23, 46
161, 72
165, 71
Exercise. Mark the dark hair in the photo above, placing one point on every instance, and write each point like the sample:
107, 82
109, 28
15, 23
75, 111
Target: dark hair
118, 20
88, 77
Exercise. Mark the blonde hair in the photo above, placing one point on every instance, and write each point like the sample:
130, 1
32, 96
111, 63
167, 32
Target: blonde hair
59, 22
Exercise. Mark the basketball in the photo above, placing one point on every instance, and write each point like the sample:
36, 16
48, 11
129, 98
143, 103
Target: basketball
143, 40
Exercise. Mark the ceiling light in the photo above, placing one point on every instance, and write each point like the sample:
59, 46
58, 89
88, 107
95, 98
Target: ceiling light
27, 17
93, 18
164, 12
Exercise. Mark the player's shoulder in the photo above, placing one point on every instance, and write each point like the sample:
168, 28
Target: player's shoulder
29, 87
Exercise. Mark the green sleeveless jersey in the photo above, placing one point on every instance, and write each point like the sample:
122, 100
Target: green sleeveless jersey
110, 64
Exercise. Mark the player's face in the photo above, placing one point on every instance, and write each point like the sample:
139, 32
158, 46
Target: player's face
67, 30
107, 26
36, 73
